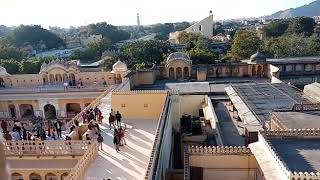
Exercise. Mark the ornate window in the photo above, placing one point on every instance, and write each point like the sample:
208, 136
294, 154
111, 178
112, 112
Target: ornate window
308, 67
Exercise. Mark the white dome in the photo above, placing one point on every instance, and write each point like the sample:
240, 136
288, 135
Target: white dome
119, 66
3, 71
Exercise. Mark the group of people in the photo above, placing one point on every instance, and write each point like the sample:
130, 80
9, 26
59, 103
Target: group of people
92, 117
119, 131
36, 130
92, 114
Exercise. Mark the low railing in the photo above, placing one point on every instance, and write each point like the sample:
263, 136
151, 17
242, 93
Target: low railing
24, 90
92, 105
154, 157
45, 148
78, 172
186, 172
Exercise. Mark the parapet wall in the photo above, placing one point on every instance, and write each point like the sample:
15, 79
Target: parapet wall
298, 133
139, 104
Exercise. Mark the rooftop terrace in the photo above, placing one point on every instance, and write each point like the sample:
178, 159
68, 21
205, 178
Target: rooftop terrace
132, 161
263, 98
298, 120
300, 155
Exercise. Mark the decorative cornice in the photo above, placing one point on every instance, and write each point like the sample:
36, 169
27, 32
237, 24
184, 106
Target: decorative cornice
219, 150
299, 133
139, 92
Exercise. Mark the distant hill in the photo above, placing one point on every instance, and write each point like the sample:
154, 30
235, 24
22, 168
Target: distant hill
310, 10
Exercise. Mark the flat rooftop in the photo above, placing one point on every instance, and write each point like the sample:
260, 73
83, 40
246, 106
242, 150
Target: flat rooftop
132, 161
300, 155
42, 163
210, 86
263, 98
299, 120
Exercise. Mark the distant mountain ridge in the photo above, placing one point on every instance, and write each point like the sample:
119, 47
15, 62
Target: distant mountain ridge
309, 10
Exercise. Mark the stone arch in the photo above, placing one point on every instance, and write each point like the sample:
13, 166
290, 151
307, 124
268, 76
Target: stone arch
34, 176
51, 78
50, 111
51, 176
12, 111
178, 73
72, 78
253, 71
186, 72
87, 104
72, 109
2, 84
58, 78
171, 73
16, 176
64, 176
26, 110
259, 71
45, 79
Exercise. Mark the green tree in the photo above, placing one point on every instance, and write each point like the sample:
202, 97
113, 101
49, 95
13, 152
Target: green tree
147, 52
202, 56
108, 31
36, 36
276, 28
301, 25
11, 65
11, 52
245, 44
292, 46
93, 52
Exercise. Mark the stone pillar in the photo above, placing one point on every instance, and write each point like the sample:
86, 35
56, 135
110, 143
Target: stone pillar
25, 175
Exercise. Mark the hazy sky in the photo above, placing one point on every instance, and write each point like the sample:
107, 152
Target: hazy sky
67, 13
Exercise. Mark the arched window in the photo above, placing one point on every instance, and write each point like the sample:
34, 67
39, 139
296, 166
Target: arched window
16, 176
50, 111
51, 176
34, 176
73, 109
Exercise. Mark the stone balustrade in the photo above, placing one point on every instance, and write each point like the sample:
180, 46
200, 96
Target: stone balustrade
92, 105
221, 150
305, 175
79, 170
46, 148
186, 164
139, 92
299, 133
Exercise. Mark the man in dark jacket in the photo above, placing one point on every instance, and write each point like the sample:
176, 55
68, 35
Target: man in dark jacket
58, 126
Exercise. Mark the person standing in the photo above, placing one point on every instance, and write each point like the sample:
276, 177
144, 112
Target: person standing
7, 136
4, 126
116, 140
111, 121
113, 113
24, 133
118, 118
96, 111
58, 126
100, 140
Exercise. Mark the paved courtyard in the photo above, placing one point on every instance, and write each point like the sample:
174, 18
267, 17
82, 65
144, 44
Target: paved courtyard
131, 163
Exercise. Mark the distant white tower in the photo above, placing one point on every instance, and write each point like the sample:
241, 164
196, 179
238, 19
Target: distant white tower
138, 20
